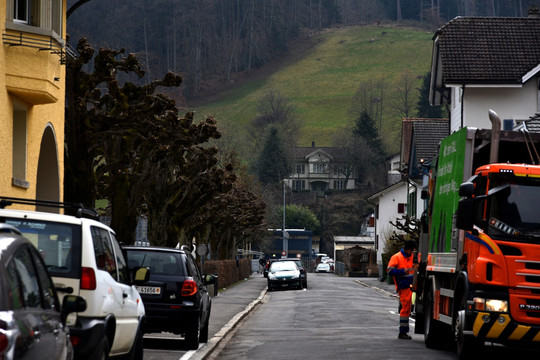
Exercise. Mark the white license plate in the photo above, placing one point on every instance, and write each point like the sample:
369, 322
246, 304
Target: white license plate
154, 290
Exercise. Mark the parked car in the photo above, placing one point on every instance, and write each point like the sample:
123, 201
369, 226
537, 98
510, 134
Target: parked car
175, 296
85, 259
267, 267
301, 267
283, 274
323, 267
31, 318
331, 263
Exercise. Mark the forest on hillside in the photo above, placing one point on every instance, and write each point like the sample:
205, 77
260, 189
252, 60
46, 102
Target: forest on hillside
208, 42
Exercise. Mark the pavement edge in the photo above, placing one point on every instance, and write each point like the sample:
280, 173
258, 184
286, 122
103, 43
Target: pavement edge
207, 349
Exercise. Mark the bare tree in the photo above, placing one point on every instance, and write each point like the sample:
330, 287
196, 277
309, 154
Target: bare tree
277, 111
405, 101
369, 99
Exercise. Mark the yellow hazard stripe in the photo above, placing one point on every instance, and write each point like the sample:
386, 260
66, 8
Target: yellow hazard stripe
519, 332
498, 327
478, 323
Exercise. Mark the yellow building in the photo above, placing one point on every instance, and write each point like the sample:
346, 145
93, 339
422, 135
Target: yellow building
32, 92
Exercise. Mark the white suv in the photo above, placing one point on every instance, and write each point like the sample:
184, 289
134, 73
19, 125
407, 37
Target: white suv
84, 258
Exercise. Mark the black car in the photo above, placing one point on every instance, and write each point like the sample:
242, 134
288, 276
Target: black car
301, 267
175, 297
284, 275
32, 322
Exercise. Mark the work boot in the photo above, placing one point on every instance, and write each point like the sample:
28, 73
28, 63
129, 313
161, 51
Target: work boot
404, 336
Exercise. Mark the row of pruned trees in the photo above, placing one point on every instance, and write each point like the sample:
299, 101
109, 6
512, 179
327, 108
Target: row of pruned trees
128, 145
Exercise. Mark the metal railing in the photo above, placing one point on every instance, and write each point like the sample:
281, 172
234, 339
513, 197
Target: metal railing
63, 50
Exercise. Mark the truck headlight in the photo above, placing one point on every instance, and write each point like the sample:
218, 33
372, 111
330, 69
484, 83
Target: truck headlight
491, 305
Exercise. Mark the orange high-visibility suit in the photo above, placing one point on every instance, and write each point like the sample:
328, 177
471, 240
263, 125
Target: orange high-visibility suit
401, 268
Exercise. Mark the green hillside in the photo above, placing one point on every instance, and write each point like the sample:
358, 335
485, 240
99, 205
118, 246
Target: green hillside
321, 81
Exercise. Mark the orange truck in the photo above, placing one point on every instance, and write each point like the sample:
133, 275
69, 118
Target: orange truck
478, 261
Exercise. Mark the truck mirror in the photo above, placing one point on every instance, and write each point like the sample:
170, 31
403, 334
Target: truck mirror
465, 213
466, 189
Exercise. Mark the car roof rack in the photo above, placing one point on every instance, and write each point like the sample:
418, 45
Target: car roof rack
74, 209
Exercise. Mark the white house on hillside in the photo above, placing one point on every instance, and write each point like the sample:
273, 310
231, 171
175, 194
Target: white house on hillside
321, 169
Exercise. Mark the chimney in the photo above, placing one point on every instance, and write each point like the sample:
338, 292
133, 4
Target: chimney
534, 12
313, 144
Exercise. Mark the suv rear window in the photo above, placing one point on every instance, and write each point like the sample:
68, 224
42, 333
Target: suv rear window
59, 244
159, 262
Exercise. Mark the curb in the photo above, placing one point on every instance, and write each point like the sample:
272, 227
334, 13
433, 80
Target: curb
386, 292
207, 349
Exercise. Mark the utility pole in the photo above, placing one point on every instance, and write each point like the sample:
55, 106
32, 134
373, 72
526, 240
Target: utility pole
283, 232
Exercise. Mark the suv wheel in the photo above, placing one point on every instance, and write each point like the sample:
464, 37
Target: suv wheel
193, 333
204, 331
137, 349
102, 350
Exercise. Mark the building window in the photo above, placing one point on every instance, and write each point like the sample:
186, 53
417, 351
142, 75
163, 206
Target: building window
20, 11
299, 185
300, 168
45, 14
319, 168
20, 114
339, 185
401, 208
411, 209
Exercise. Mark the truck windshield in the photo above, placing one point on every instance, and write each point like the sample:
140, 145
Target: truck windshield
514, 212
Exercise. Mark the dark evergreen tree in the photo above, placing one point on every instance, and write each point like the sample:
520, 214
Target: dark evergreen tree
273, 164
364, 127
425, 110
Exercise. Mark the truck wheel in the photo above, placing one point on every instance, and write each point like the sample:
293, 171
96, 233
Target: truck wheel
434, 331
467, 346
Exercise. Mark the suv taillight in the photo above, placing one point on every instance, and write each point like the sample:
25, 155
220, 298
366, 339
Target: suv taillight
88, 279
189, 288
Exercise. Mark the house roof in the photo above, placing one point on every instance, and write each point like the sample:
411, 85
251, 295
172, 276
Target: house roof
500, 50
388, 189
354, 240
302, 153
426, 138
533, 123
427, 131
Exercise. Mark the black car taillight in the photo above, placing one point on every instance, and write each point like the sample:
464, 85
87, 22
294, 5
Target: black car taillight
189, 288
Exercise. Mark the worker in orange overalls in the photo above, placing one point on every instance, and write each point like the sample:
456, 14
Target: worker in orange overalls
401, 268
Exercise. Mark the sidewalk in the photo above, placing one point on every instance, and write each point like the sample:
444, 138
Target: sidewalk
234, 303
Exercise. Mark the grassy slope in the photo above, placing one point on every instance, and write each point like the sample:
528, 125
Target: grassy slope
321, 81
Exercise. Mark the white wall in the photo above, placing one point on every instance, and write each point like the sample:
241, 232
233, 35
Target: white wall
388, 211
508, 103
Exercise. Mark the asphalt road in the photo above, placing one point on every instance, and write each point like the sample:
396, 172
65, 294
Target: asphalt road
336, 318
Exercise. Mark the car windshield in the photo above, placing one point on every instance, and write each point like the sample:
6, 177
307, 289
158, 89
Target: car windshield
159, 262
283, 266
58, 243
